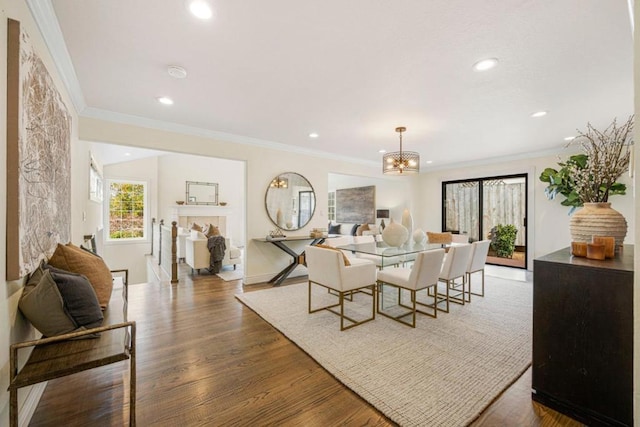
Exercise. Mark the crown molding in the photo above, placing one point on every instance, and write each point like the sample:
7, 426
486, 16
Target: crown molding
45, 17
115, 117
561, 149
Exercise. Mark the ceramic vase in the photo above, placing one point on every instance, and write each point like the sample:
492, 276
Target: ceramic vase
419, 236
407, 222
279, 219
395, 234
597, 219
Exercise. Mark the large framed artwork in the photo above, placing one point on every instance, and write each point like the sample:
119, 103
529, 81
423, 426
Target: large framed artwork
356, 205
38, 158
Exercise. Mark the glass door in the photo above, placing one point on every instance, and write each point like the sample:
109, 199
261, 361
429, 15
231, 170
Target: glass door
490, 208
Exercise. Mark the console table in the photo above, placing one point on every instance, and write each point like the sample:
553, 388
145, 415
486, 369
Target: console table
583, 336
298, 258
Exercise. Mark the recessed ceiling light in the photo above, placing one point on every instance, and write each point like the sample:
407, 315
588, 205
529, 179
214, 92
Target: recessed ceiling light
382, 151
485, 64
177, 72
570, 138
539, 114
165, 100
313, 135
200, 9
429, 162
127, 154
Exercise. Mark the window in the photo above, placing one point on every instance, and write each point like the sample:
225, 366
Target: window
331, 210
127, 210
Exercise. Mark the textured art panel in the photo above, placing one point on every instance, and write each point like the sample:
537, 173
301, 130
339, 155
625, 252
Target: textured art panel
38, 158
356, 205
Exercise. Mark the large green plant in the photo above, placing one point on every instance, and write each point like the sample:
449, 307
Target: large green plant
562, 181
591, 177
503, 240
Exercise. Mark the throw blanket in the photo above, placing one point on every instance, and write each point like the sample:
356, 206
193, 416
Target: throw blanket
216, 247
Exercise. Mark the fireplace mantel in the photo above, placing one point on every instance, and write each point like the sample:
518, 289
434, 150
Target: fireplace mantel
199, 210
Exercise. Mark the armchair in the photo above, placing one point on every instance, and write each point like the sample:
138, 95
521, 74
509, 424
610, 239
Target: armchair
197, 254
327, 269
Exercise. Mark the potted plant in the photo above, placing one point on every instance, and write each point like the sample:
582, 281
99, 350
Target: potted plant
589, 178
503, 240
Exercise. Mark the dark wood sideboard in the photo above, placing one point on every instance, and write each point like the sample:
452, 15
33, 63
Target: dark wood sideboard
583, 336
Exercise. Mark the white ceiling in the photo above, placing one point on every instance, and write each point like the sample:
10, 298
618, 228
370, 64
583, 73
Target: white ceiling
353, 70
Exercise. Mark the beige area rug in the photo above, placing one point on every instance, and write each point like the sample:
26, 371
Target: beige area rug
228, 273
443, 373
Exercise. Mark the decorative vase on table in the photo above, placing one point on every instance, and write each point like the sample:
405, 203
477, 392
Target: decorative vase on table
395, 234
407, 221
597, 219
419, 236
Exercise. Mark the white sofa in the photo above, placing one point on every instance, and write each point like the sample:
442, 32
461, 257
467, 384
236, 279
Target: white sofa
197, 254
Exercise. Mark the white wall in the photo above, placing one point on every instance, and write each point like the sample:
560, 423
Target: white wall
548, 220
129, 254
175, 169
393, 193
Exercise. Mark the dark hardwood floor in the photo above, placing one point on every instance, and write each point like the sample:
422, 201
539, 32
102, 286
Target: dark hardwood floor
204, 359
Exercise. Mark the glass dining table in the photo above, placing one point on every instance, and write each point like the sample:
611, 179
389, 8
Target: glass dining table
391, 255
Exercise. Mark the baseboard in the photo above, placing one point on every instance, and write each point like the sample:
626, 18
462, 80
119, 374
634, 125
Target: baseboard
30, 404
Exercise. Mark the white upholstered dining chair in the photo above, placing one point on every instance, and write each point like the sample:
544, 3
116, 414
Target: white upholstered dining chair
423, 275
477, 261
330, 269
454, 267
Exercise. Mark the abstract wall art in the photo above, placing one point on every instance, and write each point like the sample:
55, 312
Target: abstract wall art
356, 205
38, 158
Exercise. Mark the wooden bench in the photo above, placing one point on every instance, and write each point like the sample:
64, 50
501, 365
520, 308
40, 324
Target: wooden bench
60, 356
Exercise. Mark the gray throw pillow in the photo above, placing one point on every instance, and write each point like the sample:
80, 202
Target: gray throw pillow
43, 305
80, 300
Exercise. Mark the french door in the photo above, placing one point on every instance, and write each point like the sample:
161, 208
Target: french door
475, 206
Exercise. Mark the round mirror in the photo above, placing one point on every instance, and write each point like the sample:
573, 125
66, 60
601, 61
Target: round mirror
290, 201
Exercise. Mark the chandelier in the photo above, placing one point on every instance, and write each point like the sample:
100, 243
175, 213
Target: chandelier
401, 162
279, 182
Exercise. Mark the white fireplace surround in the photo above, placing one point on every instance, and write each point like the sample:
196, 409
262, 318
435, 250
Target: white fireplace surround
186, 214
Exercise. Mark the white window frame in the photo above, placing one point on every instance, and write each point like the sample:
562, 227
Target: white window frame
107, 213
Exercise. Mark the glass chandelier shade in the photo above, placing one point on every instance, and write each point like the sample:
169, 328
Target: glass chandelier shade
401, 162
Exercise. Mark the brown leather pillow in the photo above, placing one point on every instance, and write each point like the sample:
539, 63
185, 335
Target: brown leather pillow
344, 257
72, 258
196, 227
439, 237
211, 230
361, 228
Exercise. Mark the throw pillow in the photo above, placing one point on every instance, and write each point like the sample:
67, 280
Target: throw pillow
442, 238
196, 227
361, 229
354, 229
211, 230
344, 257
80, 300
73, 259
334, 229
43, 305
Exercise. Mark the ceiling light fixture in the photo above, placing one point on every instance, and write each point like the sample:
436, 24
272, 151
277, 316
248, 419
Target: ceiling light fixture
279, 182
313, 135
485, 64
429, 162
570, 138
177, 72
382, 151
165, 100
539, 114
200, 9
400, 162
